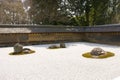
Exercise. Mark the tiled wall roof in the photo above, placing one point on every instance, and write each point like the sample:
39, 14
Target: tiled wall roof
54, 28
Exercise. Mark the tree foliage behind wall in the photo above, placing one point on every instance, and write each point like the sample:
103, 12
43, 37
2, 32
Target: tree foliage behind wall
60, 12
48, 12
12, 12
75, 12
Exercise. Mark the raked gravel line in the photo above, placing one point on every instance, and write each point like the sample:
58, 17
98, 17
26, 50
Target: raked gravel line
59, 64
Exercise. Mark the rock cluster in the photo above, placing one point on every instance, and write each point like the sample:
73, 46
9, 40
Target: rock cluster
62, 45
18, 48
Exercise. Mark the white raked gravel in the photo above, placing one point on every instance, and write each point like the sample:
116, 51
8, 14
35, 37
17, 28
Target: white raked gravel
60, 64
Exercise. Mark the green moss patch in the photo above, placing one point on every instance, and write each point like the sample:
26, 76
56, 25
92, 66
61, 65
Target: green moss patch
107, 55
22, 53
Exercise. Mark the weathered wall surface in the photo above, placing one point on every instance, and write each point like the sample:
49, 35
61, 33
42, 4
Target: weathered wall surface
46, 34
38, 38
103, 37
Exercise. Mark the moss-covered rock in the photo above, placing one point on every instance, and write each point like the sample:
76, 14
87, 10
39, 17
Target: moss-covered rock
107, 55
22, 53
53, 47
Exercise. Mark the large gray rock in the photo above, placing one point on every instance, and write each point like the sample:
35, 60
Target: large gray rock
97, 52
62, 45
18, 48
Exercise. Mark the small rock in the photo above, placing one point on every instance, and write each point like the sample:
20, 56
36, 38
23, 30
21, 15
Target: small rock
62, 45
26, 50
